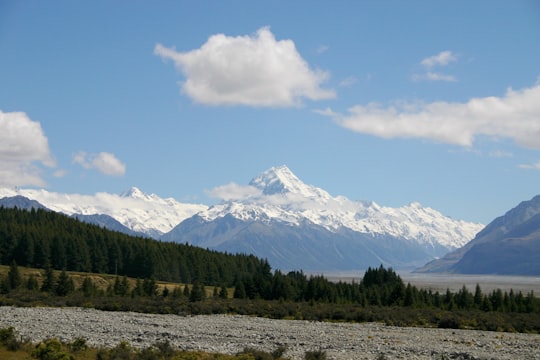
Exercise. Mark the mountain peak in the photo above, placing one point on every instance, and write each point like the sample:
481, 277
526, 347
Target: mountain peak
278, 180
134, 192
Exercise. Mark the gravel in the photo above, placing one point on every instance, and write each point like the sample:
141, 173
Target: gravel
230, 334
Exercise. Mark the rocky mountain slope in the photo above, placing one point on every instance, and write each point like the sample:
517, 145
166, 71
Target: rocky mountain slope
509, 245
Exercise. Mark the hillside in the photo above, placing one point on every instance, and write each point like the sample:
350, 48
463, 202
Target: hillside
38, 237
509, 245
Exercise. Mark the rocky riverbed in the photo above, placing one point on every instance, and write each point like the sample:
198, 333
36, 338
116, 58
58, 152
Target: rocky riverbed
230, 334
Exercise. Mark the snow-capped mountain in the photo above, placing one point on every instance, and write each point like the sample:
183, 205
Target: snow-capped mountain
143, 213
296, 225
278, 217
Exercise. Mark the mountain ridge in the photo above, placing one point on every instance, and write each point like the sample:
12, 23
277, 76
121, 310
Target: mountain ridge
277, 203
509, 245
284, 209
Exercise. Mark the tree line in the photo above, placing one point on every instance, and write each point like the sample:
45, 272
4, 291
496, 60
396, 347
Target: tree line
48, 240
41, 238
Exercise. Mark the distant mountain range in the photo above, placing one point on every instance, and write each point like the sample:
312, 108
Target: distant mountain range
136, 211
300, 226
509, 245
292, 224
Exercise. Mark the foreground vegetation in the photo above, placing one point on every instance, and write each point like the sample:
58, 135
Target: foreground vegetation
32, 287
12, 347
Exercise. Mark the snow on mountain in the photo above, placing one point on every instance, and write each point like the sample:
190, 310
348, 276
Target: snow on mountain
138, 211
284, 197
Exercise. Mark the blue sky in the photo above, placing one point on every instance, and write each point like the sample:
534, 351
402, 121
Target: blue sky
390, 101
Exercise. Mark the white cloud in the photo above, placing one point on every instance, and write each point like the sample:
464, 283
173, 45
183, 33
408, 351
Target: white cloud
535, 166
434, 76
233, 191
514, 116
500, 154
252, 70
441, 59
60, 173
104, 162
23, 145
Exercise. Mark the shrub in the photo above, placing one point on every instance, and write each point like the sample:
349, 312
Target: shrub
122, 351
8, 338
164, 349
257, 354
50, 349
263, 355
78, 345
315, 355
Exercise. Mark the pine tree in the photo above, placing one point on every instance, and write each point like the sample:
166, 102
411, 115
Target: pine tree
239, 290
49, 281
14, 277
88, 288
198, 292
223, 292
478, 297
31, 283
186, 291
150, 287
64, 285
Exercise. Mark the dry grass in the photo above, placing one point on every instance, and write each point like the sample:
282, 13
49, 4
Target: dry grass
102, 281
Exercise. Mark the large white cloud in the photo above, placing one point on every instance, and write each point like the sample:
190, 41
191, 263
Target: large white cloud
106, 163
233, 191
516, 116
252, 70
23, 146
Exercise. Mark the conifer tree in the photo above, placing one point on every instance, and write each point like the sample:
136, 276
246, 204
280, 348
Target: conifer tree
31, 283
49, 281
198, 292
64, 285
239, 290
223, 292
87, 287
186, 291
14, 277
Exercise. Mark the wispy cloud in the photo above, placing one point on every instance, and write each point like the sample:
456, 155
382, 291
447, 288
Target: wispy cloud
104, 162
23, 146
535, 166
255, 70
441, 59
513, 116
433, 76
348, 82
322, 49
500, 154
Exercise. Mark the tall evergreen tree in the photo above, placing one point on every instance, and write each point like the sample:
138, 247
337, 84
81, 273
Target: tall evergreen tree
49, 280
14, 277
64, 284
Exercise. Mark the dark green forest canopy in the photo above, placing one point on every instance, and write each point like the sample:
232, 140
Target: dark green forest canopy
39, 238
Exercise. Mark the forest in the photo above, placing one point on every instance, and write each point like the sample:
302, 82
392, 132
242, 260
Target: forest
58, 244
